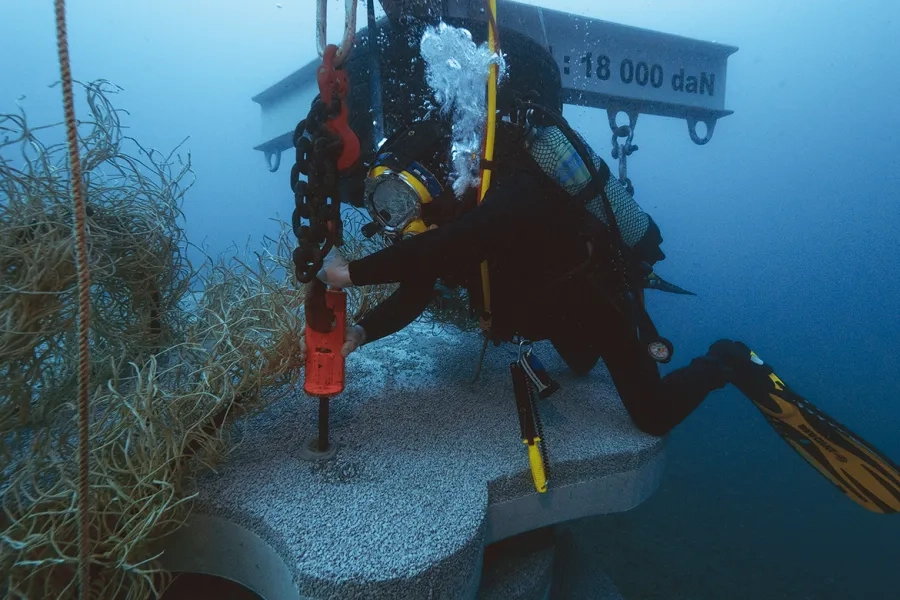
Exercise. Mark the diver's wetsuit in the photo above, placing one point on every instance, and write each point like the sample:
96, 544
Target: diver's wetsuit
526, 228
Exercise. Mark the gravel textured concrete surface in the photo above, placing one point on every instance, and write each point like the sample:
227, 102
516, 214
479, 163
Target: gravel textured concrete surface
427, 466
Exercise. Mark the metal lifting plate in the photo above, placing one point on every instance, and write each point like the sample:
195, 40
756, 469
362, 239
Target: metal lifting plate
617, 68
621, 68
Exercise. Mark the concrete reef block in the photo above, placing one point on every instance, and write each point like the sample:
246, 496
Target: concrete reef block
519, 576
429, 469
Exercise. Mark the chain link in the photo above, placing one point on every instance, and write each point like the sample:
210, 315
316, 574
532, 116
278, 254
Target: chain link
621, 152
316, 200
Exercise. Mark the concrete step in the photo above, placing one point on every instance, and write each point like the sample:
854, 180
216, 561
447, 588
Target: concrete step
429, 469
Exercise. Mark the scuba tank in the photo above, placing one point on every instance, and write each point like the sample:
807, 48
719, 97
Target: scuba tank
552, 151
606, 203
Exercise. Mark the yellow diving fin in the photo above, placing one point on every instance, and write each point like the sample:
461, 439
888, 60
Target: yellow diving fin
857, 468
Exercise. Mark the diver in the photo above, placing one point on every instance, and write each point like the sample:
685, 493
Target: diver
551, 269
568, 253
557, 249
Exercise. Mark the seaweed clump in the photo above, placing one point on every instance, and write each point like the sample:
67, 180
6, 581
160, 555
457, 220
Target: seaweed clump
177, 353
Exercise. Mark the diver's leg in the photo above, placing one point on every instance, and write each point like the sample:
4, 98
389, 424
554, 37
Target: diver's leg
580, 358
655, 404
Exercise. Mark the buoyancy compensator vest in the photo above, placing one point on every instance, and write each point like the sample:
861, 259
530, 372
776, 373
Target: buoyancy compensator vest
632, 236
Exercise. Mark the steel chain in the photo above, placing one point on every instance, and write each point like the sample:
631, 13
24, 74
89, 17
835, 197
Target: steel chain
621, 152
316, 200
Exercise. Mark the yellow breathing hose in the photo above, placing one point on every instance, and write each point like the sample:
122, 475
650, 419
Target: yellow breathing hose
536, 461
488, 155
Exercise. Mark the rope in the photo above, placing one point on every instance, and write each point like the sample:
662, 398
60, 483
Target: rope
349, 30
84, 306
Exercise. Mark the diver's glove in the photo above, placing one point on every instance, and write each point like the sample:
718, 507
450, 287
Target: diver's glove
354, 337
335, 271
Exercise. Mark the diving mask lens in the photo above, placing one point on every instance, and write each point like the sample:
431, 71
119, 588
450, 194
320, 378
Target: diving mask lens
394, 203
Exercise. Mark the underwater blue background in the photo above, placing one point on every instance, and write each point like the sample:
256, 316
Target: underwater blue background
786, 225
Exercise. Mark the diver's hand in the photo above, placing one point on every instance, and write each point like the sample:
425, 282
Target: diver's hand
354, 337
335, 271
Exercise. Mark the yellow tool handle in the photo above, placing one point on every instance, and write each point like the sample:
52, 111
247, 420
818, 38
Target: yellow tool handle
537, 465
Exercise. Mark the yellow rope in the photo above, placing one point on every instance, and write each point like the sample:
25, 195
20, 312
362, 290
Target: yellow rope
84, 287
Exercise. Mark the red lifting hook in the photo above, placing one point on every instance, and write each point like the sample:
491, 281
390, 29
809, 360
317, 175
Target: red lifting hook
335, 82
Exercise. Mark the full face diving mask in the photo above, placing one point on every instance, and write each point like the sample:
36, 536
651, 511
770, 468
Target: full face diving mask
405, 178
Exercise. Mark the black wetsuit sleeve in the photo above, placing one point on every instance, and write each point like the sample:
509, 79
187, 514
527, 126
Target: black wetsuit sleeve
467, 240
398, 310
